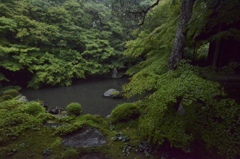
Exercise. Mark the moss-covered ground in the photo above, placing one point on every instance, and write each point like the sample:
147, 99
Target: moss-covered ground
34, 138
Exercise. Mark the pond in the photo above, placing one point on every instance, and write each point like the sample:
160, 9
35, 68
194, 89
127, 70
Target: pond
89, 93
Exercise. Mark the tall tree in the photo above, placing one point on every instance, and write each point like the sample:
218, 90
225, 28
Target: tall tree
181, 34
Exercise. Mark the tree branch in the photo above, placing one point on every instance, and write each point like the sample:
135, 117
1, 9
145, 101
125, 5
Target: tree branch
143, 12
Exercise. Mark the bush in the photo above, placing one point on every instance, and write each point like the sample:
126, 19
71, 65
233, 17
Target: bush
11, 92
6, 97
124, 112
34, 108
11, 104
74, 109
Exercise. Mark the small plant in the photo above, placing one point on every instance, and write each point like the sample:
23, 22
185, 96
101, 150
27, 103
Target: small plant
34, 108
74, 109
124, 112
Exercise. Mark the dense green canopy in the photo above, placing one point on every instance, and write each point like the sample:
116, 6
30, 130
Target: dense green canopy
57, 41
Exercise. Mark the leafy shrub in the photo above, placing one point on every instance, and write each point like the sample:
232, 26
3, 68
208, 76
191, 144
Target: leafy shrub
34, 108
124, 112
74, 109
6, 97
11, 104
11, 92
210, 116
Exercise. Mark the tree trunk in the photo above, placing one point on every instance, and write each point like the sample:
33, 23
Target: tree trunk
179, 42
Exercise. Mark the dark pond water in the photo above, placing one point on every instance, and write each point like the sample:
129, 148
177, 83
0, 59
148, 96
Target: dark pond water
89, 93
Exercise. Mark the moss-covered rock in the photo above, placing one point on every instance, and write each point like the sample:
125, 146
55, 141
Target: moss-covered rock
11, 92
34, 108
74, 109
124, 112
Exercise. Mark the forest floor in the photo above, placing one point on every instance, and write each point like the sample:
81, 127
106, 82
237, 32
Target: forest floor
123, 142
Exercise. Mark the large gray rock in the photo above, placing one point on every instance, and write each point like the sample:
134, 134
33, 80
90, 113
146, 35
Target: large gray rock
86, 137
111, 92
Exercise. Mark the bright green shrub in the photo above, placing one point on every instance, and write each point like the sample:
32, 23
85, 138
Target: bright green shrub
11, 104
74, 109
11, 92
34, 108
124, 112
210, 116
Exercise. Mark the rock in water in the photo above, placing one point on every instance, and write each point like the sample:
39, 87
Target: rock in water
110, 92
86, 137
22, 98
55, 110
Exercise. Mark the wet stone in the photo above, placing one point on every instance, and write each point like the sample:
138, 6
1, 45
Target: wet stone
86, 137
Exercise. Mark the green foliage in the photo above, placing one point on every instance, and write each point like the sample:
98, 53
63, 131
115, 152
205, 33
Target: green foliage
11, 104
208, 114
124, 112
206, 17
3, 78
69, 153
54, 71
74, 109
7, 97
69, 128
57, 42
14, 121
34, 108
11, 92
98, 50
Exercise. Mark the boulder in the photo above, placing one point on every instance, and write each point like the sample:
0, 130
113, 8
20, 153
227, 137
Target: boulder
22, 98
110, 92
55, 110
86, 137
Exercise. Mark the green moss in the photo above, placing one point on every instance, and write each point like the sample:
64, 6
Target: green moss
34, 108
124, 112
11, 92
69, 153
6, 97
74, 109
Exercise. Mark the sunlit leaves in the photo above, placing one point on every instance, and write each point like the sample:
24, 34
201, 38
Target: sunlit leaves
7, 24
